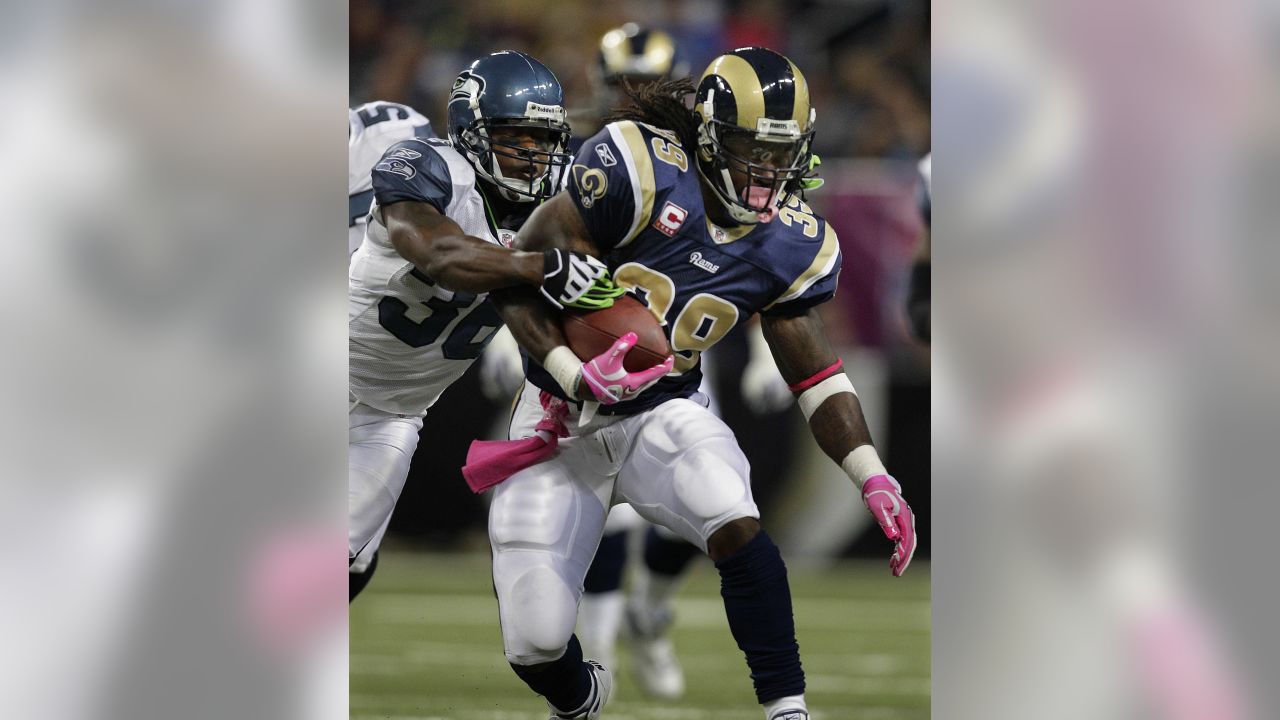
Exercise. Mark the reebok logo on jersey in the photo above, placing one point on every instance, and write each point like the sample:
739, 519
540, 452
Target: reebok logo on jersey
606, 155
697, 259
670, 219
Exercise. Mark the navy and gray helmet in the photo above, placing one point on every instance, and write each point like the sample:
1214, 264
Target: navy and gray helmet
503, 90
638, 54
755, 116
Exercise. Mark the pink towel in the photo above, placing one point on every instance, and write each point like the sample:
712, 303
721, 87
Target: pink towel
489, 462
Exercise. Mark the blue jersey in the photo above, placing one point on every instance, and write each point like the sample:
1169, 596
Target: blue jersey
638, 192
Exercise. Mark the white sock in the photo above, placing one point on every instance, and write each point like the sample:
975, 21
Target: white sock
791, 702
599, 620
659, 590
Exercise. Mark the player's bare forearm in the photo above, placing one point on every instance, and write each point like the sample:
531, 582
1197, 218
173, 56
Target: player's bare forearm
555, 224
438, 247
800, 347
533, 322
829, 403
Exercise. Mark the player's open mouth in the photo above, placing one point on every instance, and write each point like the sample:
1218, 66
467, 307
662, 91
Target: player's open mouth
763, 200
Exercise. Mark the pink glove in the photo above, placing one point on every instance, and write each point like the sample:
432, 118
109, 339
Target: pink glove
883, 497
611, 383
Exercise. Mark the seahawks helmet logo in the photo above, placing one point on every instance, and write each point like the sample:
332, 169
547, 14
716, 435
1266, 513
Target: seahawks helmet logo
468, 86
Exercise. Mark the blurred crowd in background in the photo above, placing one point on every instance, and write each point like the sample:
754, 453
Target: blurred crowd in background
867, 64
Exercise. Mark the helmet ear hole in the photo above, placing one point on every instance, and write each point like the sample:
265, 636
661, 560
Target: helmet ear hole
706, 146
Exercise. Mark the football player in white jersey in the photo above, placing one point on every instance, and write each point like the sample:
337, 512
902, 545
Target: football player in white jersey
437, 239
372, 128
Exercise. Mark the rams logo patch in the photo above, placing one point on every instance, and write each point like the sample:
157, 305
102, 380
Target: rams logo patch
591, 184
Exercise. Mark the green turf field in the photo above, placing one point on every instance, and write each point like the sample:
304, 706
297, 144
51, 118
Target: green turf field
425, 645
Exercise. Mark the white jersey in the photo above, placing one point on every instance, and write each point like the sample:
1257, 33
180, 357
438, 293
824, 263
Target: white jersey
373, 128
409, 337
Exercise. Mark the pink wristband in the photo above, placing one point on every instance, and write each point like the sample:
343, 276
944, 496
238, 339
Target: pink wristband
816, 377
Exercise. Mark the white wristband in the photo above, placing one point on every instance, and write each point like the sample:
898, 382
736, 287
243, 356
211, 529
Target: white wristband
812, 398
862, 463
565, 367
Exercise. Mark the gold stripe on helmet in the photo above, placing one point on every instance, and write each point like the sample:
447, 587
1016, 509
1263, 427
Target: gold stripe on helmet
801, 110
659, 53
818, 269
636, 156
615, 48
655, 58
744, 82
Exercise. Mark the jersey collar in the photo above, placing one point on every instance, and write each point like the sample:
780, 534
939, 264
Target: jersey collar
724, 236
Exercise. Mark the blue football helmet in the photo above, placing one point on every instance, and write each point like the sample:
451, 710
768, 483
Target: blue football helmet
753, 106
503, 90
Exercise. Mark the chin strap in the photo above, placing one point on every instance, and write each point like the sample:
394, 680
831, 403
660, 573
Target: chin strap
810, 180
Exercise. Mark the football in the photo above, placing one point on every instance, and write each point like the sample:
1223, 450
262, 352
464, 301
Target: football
591, 333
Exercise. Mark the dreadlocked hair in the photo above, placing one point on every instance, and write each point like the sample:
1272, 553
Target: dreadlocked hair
660, 104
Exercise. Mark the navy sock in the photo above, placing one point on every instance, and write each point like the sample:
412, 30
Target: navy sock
667, 556
357, 581
566, 682
605, 573
757, 600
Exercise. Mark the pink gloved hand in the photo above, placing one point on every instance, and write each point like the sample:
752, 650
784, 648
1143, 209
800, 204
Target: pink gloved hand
883, 497
609, 380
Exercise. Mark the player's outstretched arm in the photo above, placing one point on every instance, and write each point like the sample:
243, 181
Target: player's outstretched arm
557, 226
437, 246
831, 407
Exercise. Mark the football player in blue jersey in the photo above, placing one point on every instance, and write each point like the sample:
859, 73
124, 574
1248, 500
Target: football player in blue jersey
628, 54
699, 214
437, 240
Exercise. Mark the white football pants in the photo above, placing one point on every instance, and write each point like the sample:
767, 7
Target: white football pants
380, 446
678, 465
